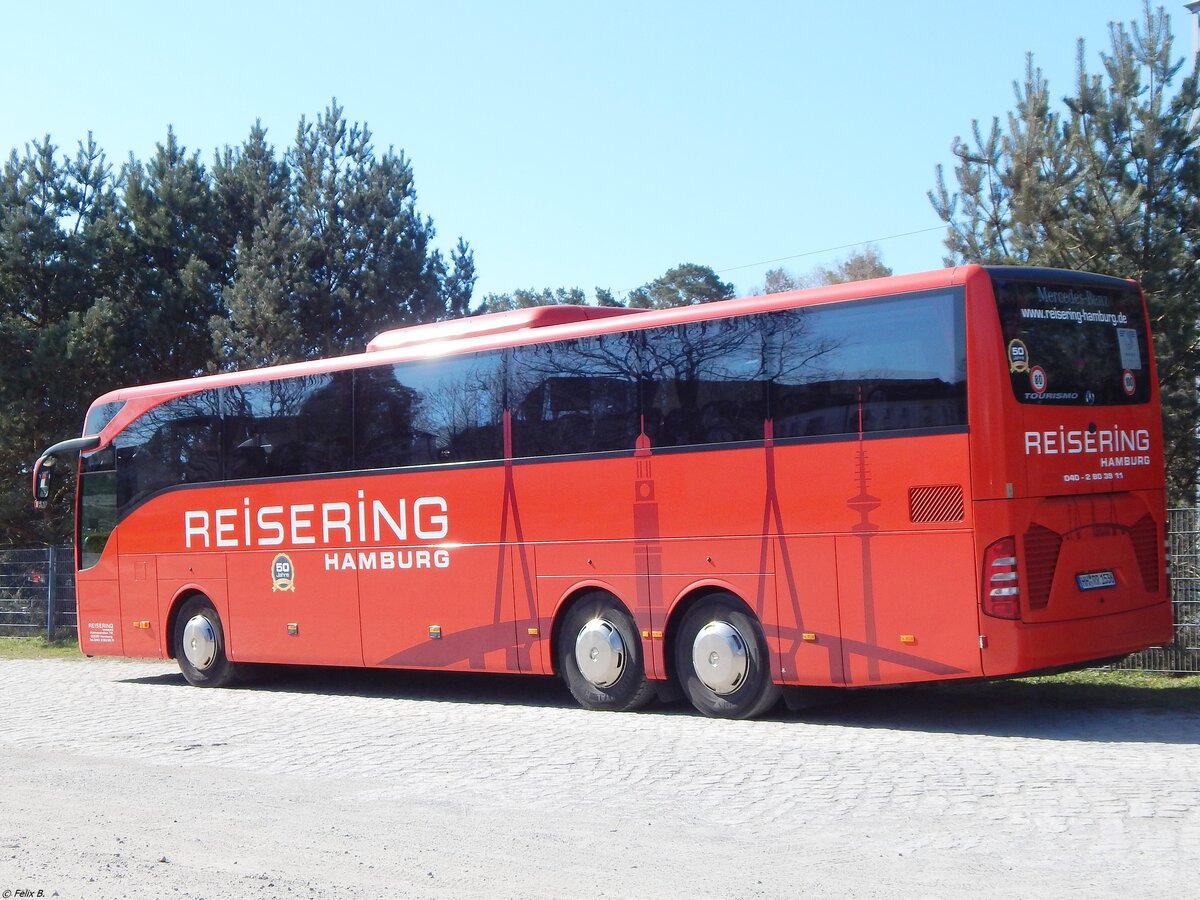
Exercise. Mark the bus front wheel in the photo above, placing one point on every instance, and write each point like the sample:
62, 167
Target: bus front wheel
200, 645
600, 656
721, 659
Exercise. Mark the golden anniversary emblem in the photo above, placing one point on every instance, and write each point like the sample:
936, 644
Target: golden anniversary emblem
283, 573
1018, 357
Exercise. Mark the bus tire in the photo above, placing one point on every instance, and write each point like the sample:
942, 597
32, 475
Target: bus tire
722, 660
600, 656
200, 645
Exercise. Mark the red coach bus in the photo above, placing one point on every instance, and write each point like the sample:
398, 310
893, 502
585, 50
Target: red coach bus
955, 474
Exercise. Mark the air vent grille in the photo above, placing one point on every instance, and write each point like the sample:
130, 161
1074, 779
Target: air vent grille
1041, 547
935, 503
1147, 547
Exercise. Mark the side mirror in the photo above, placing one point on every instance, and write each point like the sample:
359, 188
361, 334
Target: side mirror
43, 469
43, 481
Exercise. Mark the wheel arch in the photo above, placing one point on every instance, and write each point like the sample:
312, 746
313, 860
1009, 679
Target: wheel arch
692, 596
576, 595
181, 597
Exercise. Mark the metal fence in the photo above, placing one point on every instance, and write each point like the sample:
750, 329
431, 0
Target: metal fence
37, 596
37, 592
1182, 655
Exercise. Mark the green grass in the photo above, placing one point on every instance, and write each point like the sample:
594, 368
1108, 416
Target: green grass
1127, 678
1113, 688
37, 648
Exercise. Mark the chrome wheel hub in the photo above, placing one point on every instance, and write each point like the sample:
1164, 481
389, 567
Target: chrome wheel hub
719, 657
199, 642
600, 653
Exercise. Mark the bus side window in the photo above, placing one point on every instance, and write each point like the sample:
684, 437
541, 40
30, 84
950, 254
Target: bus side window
195, 451
576, 396
422, 412
383, 420
882, 365
289, 426
246, 460
708, 379
173, 443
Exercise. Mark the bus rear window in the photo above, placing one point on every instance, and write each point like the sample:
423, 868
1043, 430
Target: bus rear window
1074, 344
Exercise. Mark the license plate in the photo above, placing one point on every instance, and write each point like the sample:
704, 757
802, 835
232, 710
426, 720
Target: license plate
1093, 581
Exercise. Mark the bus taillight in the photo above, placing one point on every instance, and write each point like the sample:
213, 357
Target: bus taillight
1001, 588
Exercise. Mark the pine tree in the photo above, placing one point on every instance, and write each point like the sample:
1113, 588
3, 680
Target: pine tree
167, 264
524, 299
169, 270
776, 281
1109, 185
248, 183
342, 257
684, 285
54, 233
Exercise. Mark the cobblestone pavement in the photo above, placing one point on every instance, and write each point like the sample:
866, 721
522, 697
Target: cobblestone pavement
119, 780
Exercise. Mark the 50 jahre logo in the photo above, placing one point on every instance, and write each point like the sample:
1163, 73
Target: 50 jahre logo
1018, 357
283, 573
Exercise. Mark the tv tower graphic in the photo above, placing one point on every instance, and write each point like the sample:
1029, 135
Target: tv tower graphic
864, 504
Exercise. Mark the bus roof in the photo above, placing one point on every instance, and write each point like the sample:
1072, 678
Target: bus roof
564, 322
493, 323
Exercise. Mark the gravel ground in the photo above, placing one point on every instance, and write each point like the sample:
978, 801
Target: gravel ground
121, 781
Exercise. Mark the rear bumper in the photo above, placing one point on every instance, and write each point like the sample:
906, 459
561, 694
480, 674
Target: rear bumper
1012, 648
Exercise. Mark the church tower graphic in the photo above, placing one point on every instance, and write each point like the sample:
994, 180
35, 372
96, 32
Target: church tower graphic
647, 535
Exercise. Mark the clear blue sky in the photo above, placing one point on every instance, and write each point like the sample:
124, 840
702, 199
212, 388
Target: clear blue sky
579, 143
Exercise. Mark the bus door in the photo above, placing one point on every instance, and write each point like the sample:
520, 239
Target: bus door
140, 620
97, 586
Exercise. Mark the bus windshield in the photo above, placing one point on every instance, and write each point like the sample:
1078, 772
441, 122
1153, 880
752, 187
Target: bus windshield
1074, 344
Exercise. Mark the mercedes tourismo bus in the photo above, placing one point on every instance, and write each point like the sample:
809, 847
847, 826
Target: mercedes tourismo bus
949, 475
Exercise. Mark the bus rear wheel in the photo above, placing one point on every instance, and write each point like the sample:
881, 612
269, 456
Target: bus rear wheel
600, 656
200, 645
721, 659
